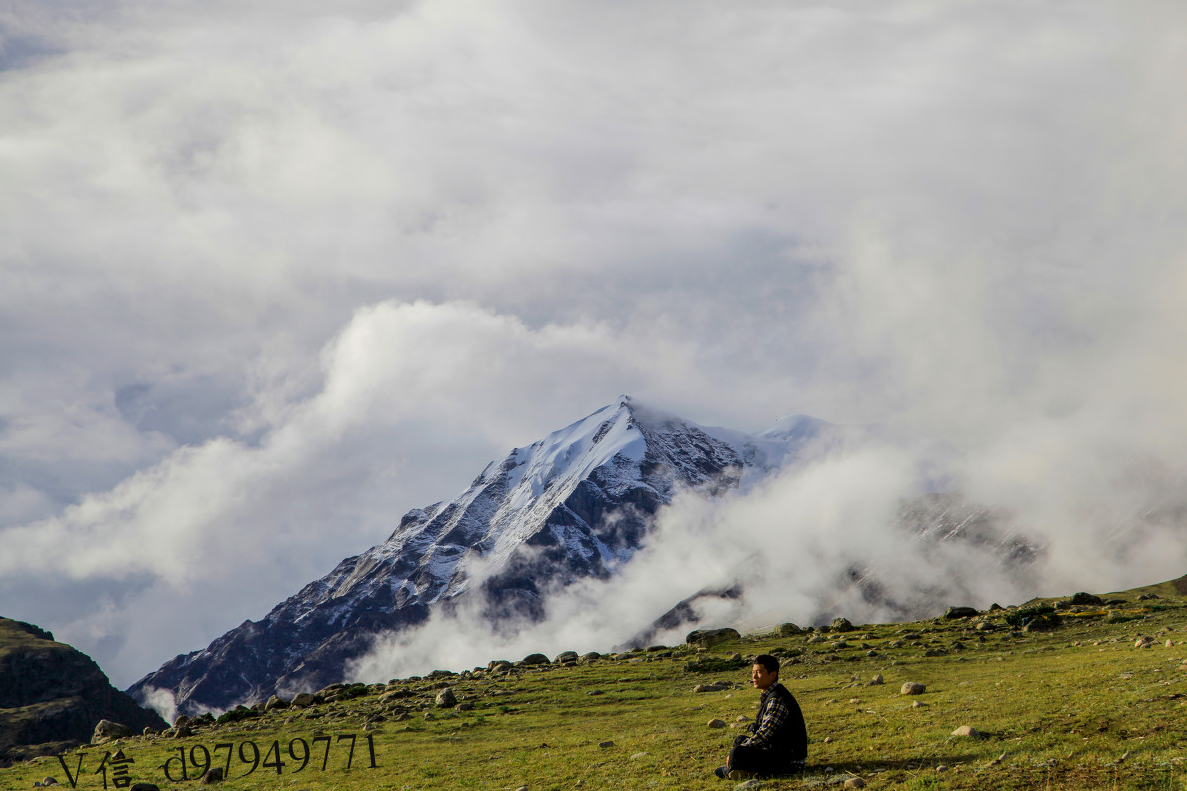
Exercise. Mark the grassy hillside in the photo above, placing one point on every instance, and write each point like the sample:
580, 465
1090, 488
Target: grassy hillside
1077, 707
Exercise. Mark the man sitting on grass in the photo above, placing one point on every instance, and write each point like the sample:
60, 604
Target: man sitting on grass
778, 740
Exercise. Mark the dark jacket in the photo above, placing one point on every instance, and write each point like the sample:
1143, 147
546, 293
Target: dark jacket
779, 726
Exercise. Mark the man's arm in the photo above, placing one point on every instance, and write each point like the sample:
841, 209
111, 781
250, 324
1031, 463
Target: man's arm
776, 714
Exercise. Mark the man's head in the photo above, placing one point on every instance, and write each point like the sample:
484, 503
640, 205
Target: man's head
765, 671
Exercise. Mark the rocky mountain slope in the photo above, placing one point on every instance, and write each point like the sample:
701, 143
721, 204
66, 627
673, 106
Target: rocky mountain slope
52, 696
577, 504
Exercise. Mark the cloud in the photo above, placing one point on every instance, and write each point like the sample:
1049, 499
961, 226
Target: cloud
275, 273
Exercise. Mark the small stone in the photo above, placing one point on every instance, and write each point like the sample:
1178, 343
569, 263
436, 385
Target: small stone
49, 781
522, 788
828, 740
741, 718
875, 681
918, 705
855, 782
637, 756
211, 776
968, 731
749, 785
716, 723
605, 745
912, 688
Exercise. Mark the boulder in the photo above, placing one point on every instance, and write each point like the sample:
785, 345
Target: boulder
566, 656
106, 730
1083, 598
1043, 623
912, 688
445, 699
960, 612
841, 625
535, 659
716, 723
707, 638
788, 629
304, 699
276, 702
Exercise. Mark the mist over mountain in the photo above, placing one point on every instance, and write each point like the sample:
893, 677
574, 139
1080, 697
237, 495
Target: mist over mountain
551, 523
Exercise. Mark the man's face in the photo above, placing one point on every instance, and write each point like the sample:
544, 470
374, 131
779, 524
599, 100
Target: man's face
762, 678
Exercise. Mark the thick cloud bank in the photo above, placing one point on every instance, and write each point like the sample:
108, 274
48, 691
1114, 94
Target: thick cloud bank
274, 273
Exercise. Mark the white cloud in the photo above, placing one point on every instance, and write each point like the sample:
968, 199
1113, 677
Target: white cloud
275, 272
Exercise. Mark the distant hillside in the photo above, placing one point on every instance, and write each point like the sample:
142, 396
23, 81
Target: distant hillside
52, 696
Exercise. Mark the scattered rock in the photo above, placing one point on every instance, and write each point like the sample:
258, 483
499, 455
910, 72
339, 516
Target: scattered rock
716, 723
855, 782
749, 785
637, 756
276, 702
445, 699
144, 787
968, 731
535, 659
960, 612
566, 656
841, 625
211, 776
918, 705
707, 638
303, 700
466, 706
933, 652
1043, 622
605, 745
788, 629
875, 681
1145, 641
912, 688
106, 730
1083, 598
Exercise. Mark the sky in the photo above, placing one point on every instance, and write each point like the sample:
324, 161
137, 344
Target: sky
274, 273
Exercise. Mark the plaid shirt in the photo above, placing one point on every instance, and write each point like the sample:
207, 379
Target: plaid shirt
772, 713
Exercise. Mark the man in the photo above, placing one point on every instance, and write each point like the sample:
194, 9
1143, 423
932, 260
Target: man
778, 740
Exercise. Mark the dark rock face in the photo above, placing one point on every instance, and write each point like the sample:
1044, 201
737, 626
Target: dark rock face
576, 504
52, 696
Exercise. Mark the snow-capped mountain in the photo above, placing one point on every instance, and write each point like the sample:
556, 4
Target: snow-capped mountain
577, 503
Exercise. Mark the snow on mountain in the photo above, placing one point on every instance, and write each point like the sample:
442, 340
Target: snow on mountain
576, 504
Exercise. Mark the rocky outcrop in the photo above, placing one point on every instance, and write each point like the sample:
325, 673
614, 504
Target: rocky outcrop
52, 697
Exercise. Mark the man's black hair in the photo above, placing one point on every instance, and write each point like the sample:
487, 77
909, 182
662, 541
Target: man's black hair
767, 661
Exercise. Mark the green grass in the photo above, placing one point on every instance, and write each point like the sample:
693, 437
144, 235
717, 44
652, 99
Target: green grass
1074, 708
